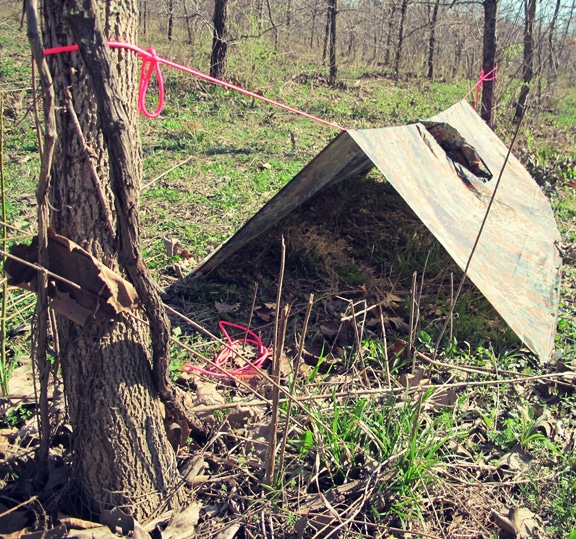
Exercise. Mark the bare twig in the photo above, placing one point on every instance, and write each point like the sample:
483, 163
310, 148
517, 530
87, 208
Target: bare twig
279, 336
47, 153
295, 368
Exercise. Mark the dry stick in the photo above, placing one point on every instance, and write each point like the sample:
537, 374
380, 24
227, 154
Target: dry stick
411, 329
23, 233
279, 335
295, 368
358, 337
3, 361
383, 392
451, 317
385, 344
251, 311
16, 507
476, 241
146, 185
47, 153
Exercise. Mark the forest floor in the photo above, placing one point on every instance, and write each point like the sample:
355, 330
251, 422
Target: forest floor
377, 437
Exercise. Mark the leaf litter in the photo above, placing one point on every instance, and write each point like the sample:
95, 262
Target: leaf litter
382, 440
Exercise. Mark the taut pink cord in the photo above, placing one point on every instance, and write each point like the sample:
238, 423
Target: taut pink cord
151, 63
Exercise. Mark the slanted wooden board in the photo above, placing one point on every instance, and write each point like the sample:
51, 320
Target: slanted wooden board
516, 264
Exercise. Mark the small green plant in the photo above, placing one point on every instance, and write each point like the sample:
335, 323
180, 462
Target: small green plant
17, 416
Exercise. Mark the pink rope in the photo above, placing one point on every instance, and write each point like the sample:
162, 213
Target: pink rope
224, 355
151, 64
480, 82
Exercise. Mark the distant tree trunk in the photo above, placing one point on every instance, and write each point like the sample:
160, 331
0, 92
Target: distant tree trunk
120, 451
170, 19
552, 61
143, 16
432, 41
333, 72
188, 26
528, 65
288, 11
219, 40
489, 59
326, 38
389, 34
313, 23
400, 43
273, 24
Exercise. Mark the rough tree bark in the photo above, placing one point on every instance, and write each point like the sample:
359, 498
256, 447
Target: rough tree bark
219, 40
489, 59
122, 456
528, 65
332, 12
170, 19
432, 41
400, 43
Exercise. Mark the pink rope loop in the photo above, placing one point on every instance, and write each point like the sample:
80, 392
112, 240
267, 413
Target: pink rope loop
224, 355
150, 64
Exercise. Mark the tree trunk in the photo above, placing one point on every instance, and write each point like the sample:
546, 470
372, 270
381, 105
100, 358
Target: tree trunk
528, 65
219, 40
400, 44
432, 41
332, 11
552, 60
187, 18
170, 19
122, 457
489, 59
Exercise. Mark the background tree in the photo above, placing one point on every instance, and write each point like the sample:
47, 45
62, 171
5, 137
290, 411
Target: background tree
489, 60
528, 64
219, 40
331, 31
122, 456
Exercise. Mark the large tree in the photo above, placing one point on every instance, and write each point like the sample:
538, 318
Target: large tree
489, 60
113, 375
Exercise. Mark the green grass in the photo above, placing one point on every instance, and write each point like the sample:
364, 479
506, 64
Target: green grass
352, 241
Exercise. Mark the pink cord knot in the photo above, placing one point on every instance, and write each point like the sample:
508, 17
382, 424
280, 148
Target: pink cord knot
491, 75
150, 64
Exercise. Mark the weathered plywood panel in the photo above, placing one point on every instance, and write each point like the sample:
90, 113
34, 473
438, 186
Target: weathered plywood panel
516, 264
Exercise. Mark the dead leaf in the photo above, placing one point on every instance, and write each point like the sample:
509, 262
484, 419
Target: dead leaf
78, 524
229, 532
441, 398
191, 470
182, 525
520, 522
101, 532
173, 246
412, 380
207, 394
99, 294
225, 308
59, 532
513, 462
